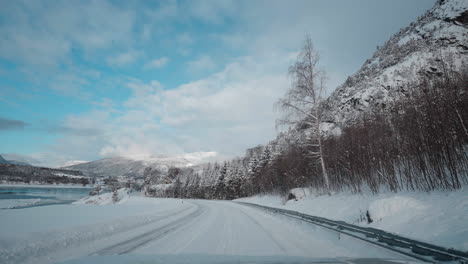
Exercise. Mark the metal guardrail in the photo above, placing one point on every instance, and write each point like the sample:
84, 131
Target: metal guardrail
415, 249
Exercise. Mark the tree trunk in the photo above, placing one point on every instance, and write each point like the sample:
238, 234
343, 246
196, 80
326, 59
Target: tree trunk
322, 161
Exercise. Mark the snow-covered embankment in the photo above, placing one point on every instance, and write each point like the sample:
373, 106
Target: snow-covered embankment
437, 217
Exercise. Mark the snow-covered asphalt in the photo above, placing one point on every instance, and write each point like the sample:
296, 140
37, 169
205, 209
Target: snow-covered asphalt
166, 226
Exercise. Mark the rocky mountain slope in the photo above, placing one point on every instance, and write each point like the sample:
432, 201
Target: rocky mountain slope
438, 37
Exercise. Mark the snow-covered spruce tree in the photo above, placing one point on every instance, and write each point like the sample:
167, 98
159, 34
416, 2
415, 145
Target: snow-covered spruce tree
233, 180
115, 195
302, 102
265, 158
177, 186
220, 191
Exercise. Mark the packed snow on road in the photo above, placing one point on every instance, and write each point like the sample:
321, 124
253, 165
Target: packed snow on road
93, 230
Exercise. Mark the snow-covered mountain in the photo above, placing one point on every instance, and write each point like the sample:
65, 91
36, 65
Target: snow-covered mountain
2, 160
440, 34
134, 166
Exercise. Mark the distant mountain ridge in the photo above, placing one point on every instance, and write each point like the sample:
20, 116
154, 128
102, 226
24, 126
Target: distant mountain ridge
12, 173
4, 161
135, 166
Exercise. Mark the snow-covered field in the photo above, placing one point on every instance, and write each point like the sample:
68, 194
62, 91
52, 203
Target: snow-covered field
438, 217
141, 225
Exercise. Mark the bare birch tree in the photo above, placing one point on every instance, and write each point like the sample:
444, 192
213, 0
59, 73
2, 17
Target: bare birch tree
301, 103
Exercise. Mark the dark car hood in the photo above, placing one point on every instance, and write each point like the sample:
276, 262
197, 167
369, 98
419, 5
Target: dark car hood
223, 259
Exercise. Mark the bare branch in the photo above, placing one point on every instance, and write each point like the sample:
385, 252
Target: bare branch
299, 110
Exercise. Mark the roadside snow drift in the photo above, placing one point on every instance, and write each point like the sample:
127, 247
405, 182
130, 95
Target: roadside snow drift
120, 196
440, 218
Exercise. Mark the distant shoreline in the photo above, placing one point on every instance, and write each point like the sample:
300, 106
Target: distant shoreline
37, 185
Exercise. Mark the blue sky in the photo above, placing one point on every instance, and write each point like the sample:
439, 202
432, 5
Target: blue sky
83, 80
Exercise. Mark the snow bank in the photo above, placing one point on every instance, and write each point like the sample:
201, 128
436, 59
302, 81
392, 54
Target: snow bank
301, 193
267, 199
12, 203
106, 198
437, 217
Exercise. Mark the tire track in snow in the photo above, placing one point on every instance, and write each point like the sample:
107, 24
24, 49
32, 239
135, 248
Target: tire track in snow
200, 231
138, 241
42, 249
264, 230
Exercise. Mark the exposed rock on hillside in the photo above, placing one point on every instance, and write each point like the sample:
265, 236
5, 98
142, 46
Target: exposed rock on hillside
438, 37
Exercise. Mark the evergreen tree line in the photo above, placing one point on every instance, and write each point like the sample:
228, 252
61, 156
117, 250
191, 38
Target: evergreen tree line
418, 142
210, 181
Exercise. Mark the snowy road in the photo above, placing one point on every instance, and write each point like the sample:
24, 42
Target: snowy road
169, 226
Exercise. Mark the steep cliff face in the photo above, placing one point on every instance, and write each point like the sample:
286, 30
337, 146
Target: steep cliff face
439, 37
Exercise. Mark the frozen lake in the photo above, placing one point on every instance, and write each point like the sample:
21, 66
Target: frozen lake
15, 197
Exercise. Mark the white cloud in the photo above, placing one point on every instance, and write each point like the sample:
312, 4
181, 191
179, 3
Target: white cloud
184, 39
240, 97
43, 33
123, 59
226, 112
156, 63
167, 10
70, 84
202, 64
212, 11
